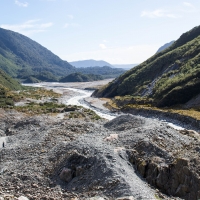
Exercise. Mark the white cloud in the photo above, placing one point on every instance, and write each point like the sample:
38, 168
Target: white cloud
189, 8
47, 25
158, 13
66, 25
102, 46
188, 4
24, 4
177, 12
29, 27
71, 16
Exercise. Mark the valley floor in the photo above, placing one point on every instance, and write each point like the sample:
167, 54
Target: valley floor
52, 156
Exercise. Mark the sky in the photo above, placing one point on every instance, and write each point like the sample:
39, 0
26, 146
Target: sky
117, 31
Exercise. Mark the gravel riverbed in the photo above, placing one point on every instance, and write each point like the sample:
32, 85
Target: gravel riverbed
129, 157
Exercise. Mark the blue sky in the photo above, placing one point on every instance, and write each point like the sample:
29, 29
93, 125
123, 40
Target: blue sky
117, 31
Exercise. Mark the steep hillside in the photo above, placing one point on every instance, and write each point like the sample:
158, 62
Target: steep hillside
165, 46
78, 77
169, 77
21, 57
42, 77
7, 82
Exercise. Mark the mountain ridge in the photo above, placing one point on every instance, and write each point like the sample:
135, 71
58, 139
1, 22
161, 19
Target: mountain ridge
28, 61
79, 77
90, 63
21, 56
165, 46
164, 76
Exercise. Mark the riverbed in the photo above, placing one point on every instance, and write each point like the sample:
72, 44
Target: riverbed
79, 93
76, 93
102, 144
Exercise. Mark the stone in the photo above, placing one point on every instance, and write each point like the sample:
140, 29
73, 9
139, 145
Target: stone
22, 198
79, 171
126, 198
111, 137
96, 198
182, 162
186, 171
141, 167
66, 175
182, 190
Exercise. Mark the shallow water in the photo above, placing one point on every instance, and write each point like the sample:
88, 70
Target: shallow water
79, 100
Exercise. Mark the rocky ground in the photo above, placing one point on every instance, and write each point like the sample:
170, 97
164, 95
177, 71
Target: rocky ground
52, 158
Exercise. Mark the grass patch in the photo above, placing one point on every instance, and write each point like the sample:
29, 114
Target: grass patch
83, 113
6, 100
34, 93
125, 103
41, 108
8, 97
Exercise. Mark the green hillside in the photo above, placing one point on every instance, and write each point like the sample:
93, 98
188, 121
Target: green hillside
105, 71
78, 77
169, 77
21, 57
28, 61
7, 84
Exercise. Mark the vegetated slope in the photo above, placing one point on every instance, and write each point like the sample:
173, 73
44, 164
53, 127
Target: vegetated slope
165, 46
90, 63
170, 77
105, 71
22, 57
25, 59
78, 77
41, 77
7, 84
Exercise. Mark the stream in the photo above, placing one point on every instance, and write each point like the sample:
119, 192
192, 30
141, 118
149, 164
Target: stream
77, 99
80, 95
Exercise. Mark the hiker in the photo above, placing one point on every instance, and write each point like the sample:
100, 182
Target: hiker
3, 145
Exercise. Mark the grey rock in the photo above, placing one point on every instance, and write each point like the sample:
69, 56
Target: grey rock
66, 174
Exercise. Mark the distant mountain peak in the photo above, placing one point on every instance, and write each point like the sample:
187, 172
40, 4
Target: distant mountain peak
165, 46
90, 63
